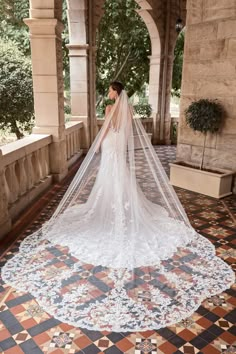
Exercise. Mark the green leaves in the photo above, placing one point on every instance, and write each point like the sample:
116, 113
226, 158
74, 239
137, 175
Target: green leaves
123, 47
178, 65
143, 110
204, 115
16, 89
12, 27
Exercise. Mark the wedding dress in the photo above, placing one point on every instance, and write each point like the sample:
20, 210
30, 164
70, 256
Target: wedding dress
119, 253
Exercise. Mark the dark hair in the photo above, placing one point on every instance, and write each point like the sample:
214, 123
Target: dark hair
117, 86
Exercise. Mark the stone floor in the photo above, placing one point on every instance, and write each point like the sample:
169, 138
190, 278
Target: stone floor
26, 328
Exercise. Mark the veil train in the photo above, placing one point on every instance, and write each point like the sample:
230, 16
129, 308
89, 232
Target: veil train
119, 253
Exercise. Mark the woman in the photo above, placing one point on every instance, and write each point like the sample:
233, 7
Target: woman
119, 253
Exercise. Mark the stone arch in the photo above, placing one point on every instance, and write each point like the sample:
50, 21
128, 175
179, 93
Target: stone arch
155, 59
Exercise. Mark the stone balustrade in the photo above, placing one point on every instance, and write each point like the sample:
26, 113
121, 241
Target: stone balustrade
25, 171
74, 131
148, 126
147, 123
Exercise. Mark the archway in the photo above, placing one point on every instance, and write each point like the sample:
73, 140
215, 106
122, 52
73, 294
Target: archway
155, 62
176, 84
82, 60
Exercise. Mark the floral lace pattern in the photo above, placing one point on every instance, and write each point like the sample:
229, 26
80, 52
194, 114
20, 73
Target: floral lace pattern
102, 298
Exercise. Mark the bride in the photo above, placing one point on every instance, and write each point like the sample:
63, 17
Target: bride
119, 253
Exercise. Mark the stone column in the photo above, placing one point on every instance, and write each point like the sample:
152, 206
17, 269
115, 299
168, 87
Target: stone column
47, 69
154, 76
5, 220
167, 116
92, 68
78, 53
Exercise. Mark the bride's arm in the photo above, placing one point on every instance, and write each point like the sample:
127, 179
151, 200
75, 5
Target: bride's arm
107, 111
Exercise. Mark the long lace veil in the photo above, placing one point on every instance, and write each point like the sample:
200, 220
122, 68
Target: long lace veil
119, 252
136, 148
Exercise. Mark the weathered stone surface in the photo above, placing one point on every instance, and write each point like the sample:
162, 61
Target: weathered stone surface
217, 86
229, 126
210, 68
226, 141
183, 152
188, 86
204, 32
220, 159
211, 140
232, 48
227, 29
211, 14
188, 136
219, 4
196, 155
212, 50
192, 50
210, 72
194, 10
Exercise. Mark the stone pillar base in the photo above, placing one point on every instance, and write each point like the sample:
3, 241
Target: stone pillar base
85, 133
5, 227
156, 129
58, 161
5, 219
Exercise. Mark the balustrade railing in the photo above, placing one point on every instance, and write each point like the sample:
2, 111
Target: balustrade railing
73, 139
25, 171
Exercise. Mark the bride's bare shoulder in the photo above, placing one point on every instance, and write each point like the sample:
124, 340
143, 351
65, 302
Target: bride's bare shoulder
108, 109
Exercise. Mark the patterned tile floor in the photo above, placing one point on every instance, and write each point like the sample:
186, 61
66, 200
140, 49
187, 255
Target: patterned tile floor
26, 328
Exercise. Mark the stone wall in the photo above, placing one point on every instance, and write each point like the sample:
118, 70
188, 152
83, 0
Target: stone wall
210, 72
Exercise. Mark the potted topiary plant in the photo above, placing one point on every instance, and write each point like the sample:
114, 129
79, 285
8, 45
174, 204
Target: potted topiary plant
205, 116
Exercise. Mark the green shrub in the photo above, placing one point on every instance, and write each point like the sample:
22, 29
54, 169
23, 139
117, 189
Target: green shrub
204, 115
143, 110
67, 109
16, 90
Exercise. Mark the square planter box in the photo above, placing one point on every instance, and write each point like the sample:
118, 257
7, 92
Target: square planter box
217, 185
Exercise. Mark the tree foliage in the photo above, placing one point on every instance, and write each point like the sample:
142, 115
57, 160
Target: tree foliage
143, 110
16, 89
12, 27
123, 44
123, 47
178, 64
204, 115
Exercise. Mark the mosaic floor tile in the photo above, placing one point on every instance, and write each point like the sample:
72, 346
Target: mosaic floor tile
21, 337
124, 344
146, 346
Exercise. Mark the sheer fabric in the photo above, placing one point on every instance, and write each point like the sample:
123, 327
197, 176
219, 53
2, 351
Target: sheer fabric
119, 252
